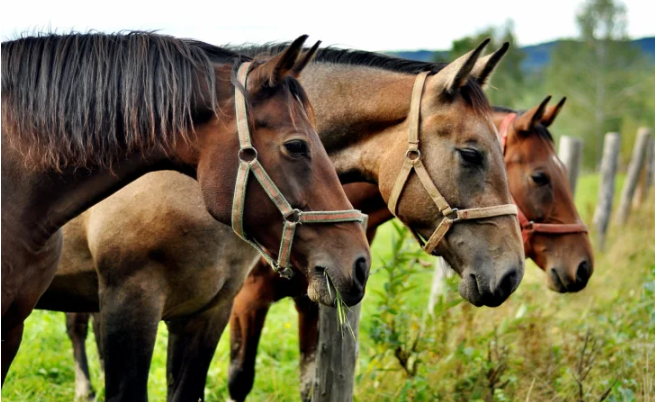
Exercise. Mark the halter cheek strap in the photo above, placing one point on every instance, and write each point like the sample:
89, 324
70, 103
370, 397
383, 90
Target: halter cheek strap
413, 162
529, 227
249, 163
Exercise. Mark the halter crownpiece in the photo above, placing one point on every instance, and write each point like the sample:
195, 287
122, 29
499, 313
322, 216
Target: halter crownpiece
413, 161
529, 227
249, 163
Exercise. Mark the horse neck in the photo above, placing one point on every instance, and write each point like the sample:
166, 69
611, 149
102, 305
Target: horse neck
358, 109
39, 203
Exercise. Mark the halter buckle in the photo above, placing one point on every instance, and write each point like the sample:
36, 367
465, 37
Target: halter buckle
248, 154
453, 211
294, 216
415, 152
529, 226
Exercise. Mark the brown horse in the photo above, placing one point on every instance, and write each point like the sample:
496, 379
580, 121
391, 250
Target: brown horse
539, 186
363, 123
83, 115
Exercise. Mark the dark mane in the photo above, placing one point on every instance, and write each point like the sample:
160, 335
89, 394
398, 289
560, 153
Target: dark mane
82, 100
539, 130
349, 56
471, 92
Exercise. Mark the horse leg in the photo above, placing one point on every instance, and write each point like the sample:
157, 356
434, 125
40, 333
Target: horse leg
129, 318
308, 337
77, 325
246, 324
10, 343
191, 345
97, 332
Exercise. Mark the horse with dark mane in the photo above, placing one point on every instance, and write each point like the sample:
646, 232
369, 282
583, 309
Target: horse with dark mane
83, 115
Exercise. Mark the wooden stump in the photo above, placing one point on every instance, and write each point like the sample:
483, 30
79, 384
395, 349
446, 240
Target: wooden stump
608, 167
570, 152
636, 163
646, 175
336, 357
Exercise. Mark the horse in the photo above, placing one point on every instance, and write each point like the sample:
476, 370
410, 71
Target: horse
364, 131
86, 114
540, 188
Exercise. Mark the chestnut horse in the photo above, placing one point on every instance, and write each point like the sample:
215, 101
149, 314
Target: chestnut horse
540, 188
85, 114
363, 121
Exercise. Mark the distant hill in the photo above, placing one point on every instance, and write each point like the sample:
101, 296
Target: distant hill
537, 56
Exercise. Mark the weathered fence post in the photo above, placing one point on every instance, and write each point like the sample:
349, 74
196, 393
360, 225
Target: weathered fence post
336, 357
646, 175
637, 161
608, 167
570, 152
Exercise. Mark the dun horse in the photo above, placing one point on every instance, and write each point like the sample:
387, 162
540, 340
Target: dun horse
539, 184
83, 115
363, 119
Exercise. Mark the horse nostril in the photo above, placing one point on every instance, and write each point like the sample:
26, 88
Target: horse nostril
508, 283
361, 271
583, 272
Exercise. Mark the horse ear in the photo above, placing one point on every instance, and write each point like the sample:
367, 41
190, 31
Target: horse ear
527, 121
273, 71
551, 113
486, 65
305, 59
454, 75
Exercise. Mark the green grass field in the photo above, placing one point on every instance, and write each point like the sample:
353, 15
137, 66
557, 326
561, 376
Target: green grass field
526, 350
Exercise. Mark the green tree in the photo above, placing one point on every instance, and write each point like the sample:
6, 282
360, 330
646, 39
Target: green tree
509, 80
605, 77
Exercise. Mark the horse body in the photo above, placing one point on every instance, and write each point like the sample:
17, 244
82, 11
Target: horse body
84, 115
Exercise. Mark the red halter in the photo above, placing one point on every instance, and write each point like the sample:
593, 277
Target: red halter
529, 227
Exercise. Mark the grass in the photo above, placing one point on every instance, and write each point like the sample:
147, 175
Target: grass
528, 349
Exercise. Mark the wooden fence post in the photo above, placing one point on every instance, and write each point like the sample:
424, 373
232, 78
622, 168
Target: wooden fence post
336, 356
637, 161
570, 152
646, 175
608, 167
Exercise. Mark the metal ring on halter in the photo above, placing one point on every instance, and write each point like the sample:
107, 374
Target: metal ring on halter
243, 151
294, 216
529, 226
453, 211
417, 152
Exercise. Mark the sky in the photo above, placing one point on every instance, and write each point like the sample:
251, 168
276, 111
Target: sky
367, 25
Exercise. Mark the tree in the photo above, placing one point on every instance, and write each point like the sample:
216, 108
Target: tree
604, 76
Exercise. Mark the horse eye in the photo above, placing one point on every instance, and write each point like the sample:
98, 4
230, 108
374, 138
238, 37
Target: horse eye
540, 178
470, 156
297, 148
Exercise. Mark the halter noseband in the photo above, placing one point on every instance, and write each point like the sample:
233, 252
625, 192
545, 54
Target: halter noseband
529, 227
248, 162
413, 161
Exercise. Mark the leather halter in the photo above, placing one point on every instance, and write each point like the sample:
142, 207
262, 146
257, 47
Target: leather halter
529, 227
413, 161
249, 163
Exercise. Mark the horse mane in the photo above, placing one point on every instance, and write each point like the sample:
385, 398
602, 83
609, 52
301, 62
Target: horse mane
83, 100
540, 130
472, 92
